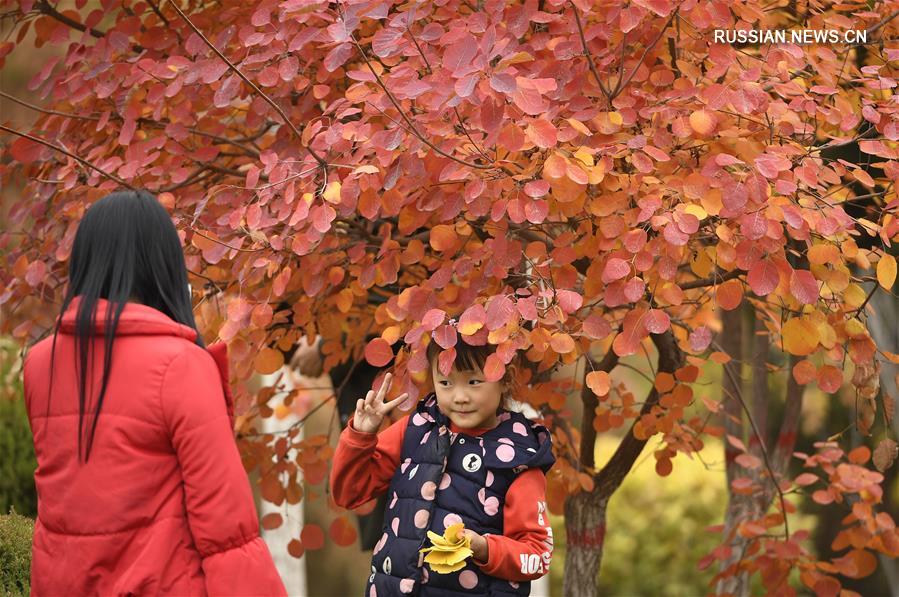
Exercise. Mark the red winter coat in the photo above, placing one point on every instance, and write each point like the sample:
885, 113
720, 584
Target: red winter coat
163, 506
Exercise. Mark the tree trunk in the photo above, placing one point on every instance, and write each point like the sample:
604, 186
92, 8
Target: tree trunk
750, 507
731, 387
585, 525
585, 512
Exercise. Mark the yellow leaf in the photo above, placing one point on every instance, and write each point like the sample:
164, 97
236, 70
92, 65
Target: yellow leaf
332, 192
448, 552
583, 154
886, 271
855, 329
468, 328
702, 265
516, 58
696, 210
854, 296
800, 336
615, 118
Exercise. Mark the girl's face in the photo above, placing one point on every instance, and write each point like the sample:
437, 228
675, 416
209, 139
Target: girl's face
467, 398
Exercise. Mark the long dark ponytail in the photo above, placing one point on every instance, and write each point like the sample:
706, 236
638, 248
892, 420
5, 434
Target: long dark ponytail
126, 248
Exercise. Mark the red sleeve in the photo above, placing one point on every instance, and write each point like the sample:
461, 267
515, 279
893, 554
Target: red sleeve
524, 549
364, 463
217, 496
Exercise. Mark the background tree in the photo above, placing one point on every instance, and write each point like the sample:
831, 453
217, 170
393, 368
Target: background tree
572, 180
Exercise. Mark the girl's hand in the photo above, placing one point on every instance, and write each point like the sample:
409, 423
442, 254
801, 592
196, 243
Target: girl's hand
370, 411
478, 544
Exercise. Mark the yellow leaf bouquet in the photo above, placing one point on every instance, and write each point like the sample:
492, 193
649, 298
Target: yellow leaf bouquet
448, 553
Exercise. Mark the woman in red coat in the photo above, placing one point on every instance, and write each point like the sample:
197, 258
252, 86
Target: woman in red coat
140, 485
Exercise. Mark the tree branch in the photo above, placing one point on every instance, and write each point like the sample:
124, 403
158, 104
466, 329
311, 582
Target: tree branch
44, 8
68, 153
610, 477
580, 30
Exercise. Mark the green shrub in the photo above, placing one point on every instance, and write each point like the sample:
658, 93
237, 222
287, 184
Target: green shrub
18, 463
15, 554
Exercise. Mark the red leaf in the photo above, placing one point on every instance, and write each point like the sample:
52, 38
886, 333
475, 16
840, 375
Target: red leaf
528, 98
378, 352
656, 321
445, 336
596, 327
494, 368
734, 198
570, 301
385, 42
700, 338
295, 548
633, 289
615, 269
445, 360
660, 7
312, 536
272, 521
35, 273
806, 479
500, 310
528, 308
829, 379
460, 54
432, 319
212, 70
342, 532
542, 133
804, 287
536, 188
337, 57
763, 277
27, 151
472, 320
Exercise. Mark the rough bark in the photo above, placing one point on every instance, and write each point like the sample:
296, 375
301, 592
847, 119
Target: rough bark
731, 388
585, 523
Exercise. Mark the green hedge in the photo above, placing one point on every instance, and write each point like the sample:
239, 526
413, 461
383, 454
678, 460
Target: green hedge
15, 554
18, 463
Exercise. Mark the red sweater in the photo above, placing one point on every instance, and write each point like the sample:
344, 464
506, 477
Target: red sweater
364, 464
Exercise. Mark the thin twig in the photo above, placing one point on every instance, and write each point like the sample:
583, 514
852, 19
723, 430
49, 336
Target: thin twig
406, 118
68, 153
321, 161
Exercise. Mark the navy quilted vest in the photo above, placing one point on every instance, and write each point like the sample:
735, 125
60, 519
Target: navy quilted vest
445, 478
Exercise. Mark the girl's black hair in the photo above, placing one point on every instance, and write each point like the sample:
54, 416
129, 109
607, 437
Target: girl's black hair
472, 358
126, 248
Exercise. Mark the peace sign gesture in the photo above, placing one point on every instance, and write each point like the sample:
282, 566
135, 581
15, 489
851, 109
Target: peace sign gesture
370, 411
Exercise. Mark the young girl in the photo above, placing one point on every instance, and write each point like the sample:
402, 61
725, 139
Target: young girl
459, 457
140, 486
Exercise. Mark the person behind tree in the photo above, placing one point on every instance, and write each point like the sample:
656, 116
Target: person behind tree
141, 490
460, 456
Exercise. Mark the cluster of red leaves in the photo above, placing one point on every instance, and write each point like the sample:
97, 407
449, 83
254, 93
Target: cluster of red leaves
828, 476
